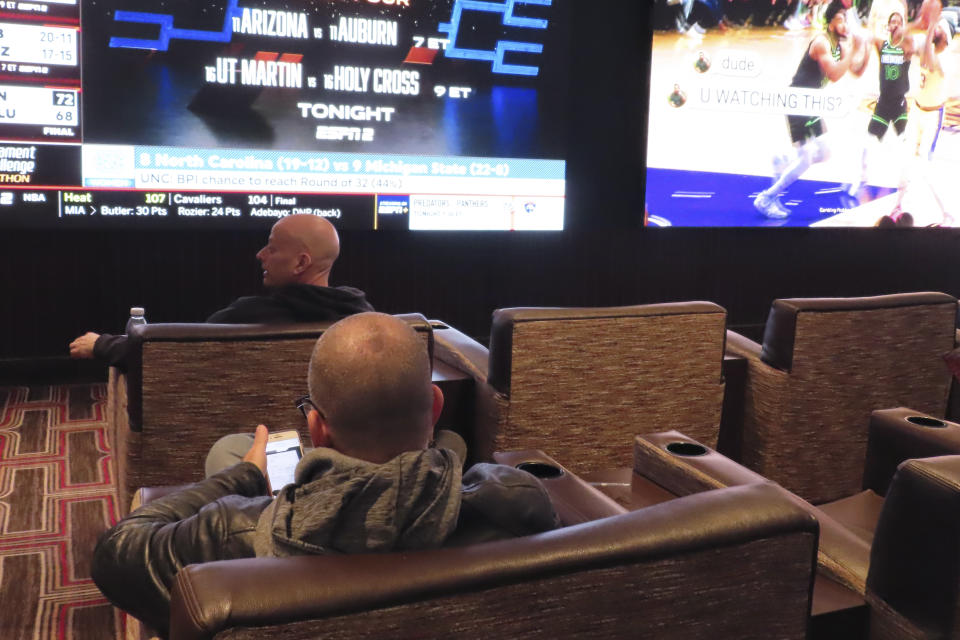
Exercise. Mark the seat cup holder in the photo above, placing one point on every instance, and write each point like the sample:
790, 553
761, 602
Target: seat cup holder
686, 449
924, 421
541, 470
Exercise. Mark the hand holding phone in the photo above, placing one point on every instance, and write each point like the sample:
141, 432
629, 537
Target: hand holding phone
283, 453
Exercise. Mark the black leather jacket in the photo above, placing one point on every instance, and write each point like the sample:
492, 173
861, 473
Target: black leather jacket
135, 563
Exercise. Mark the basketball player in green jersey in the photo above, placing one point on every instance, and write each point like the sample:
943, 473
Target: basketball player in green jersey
895, 52
827, 58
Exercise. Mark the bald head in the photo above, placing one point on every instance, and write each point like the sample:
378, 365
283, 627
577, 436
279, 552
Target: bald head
301, 250
370, 378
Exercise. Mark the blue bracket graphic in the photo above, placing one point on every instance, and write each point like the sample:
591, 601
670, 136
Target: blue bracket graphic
505, 8
168, 32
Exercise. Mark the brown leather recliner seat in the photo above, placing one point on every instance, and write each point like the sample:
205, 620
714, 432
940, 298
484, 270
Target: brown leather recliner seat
824, 365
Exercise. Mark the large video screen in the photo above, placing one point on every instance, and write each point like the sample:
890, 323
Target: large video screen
747, 127
379, 114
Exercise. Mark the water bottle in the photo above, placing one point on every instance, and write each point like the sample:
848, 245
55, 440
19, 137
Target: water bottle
136, 317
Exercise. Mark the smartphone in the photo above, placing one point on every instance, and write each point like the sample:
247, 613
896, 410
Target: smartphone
283, 453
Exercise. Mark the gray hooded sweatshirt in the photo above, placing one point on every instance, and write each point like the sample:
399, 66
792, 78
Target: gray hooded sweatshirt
340, 504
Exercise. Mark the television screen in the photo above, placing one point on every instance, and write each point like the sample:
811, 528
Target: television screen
409, 114
802, 113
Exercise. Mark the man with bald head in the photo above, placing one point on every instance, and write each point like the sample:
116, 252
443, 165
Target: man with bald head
369, 380
296, 264
373, 482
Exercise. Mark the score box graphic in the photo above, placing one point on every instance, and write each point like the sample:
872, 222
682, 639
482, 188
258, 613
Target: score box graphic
38, 44
28, 51
486, 213
39, 114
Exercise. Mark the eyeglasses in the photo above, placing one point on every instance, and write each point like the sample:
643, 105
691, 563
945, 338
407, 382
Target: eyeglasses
304, 404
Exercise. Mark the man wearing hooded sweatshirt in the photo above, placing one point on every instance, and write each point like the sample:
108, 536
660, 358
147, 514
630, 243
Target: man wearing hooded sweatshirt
373, 482
296, 266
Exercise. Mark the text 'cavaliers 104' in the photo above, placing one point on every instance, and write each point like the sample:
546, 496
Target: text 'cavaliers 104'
818, 114
413, 114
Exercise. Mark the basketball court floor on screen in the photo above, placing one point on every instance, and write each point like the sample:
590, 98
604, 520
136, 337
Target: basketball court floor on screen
706, 163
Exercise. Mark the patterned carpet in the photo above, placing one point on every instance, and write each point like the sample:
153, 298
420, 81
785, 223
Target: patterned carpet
56, 496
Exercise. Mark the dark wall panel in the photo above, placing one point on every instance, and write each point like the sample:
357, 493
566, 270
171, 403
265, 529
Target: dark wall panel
57, 285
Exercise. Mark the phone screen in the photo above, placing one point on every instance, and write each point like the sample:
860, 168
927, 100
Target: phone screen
282, 459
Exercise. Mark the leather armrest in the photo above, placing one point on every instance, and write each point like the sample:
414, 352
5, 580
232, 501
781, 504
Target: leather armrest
682, 466
460, 350
742, 346
574, 499
899, 434
692, 467
209, 597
